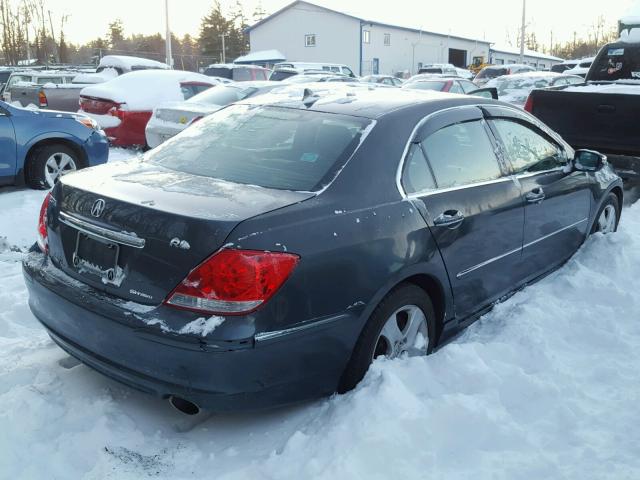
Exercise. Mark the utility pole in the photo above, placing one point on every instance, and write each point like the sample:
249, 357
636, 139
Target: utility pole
522, 32
551, 44
224, 55
169, 57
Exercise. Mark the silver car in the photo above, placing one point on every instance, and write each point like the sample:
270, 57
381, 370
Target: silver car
170, 119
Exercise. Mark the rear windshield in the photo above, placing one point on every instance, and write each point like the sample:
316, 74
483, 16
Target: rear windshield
219, 72
616, 62
492, 72
278, 75
273, 147
429, 85
430, 70
222, 95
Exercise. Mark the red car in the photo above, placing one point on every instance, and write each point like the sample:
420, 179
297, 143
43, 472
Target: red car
123, 106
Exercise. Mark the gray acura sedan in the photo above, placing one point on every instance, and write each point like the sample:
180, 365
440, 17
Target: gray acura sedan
272, 251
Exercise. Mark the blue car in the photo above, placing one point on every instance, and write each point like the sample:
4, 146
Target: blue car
37, 147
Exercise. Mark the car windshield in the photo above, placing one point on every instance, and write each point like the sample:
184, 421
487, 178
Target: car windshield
223, 72
617, 62
278, 75
268, 146
426, 85
492, 73
222, 95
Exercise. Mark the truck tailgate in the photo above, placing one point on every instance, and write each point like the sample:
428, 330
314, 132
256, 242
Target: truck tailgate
607, 122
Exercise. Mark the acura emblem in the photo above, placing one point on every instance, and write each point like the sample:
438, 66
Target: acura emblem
97, 208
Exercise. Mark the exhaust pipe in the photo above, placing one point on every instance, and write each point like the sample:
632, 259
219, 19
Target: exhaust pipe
184, 406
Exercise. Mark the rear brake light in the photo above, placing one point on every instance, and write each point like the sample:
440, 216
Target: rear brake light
42, 99
43, 237
233, 282
528, 106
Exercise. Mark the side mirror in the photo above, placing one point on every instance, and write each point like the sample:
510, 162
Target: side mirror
491, 92
588, 160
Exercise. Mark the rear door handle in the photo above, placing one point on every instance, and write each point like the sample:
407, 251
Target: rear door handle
450, 219
535, 196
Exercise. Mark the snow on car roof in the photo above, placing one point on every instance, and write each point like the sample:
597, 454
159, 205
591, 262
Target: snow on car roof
144, 89
127, 63
628, 87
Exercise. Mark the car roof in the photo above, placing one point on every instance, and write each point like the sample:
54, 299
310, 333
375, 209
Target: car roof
363, 100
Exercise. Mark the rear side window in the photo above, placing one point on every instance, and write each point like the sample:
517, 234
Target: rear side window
219, 72
416, 175
191, 89
272, 147
461, 154
527, 150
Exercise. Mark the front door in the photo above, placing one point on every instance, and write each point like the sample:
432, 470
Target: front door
473, 209
7, 148
557, 199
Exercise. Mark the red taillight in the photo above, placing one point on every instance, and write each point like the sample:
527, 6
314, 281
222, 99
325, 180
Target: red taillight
528, 106
232, 282
43, 237
508, 71
42, 99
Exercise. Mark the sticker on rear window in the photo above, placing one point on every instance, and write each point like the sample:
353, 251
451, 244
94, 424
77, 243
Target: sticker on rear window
615, 52
309, 157
635, 74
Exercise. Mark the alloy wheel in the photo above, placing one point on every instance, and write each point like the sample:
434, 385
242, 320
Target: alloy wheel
404, 332
56, 166
607, 219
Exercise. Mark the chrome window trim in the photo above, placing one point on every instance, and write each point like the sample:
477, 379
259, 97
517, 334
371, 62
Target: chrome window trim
515, 250
541, 172
101, 232
428, 193
424, 120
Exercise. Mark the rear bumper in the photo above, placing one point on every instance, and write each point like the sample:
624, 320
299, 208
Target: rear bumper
157, 133
248, 373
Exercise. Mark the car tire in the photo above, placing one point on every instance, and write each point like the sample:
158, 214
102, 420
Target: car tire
47, 164
395, 307
608, 216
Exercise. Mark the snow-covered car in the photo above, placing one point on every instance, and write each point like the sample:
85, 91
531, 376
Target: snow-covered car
382, 79
111, 66
123, 106
516, 88
581, 68
171, 118
495, 71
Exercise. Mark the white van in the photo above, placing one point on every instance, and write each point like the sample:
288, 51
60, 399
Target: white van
302, 67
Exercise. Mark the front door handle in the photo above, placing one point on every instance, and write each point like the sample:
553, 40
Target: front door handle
450, 219
535, 196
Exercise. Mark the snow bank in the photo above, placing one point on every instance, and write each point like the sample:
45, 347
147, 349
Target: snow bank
543, 387
146, 89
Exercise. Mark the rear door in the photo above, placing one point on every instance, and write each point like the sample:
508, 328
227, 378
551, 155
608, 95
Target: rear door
7, 148
473, 208
557, 200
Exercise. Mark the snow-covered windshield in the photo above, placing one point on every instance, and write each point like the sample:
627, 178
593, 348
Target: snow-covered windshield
516, 89
437, 85
222, 95
273, 147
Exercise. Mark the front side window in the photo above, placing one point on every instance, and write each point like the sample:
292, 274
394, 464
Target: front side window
366, 36
310, 40
461, 154
416, 175
527, 150
272, 147
387, 39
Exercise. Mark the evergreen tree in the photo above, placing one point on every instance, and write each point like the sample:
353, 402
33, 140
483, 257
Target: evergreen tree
213, 26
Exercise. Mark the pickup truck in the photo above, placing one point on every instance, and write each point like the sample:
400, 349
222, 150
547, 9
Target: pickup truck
602, 113
50, 96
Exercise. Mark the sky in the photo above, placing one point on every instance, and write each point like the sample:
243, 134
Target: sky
493, 20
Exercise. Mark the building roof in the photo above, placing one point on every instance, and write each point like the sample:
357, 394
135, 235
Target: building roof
360, 19
261, 56
527, 53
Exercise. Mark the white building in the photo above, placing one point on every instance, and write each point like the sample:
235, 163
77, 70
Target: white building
306, 32
501, 55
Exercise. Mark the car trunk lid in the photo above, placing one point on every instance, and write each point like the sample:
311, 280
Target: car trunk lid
136, 230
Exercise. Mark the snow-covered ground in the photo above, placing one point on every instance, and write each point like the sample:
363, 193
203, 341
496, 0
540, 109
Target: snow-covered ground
546, 386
